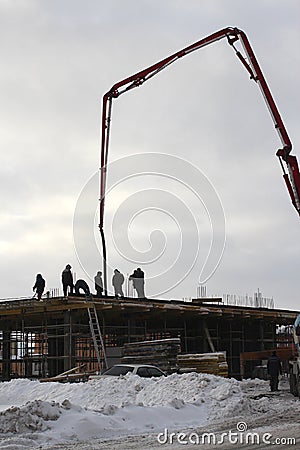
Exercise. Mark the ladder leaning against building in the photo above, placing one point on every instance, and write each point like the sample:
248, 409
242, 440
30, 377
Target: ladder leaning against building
97, 337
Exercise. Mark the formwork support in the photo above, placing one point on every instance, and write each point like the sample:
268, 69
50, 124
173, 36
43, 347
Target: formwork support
47, 339
207, 335
261, 335
6, 362
68, 347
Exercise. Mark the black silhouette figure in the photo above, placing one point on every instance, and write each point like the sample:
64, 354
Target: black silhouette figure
99, 284
67, 280
81, 284
39, 286
274, 369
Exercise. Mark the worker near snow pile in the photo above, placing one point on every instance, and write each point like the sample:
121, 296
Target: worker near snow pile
138, 282
274, 369
39, 286
81, 284
67, 280
99, 284
117, 282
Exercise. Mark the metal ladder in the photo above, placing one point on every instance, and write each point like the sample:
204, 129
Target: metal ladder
97, 337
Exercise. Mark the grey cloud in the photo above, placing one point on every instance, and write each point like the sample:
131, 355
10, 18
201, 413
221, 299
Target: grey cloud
59, 58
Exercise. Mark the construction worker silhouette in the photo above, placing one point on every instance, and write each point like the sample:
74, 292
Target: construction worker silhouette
39, 286
81, 284
274, 370
138, 282
99, 284
67, 280
117, 282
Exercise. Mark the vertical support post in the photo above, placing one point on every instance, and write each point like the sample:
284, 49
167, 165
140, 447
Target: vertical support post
261, 335
205, 345
6, 361
68, 347
242, 368
27, 358
185, 337
208, 337
231, 348
128, 331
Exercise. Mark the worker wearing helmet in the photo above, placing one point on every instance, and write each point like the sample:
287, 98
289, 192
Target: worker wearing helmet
67, 280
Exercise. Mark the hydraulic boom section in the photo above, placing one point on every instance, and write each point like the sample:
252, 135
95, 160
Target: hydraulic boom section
288, 162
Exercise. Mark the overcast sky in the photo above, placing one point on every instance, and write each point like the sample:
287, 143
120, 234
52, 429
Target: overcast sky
58, 58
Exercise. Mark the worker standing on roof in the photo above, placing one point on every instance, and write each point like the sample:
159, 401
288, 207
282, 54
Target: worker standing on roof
99, 284
138, 281
274, 369
39, 286
117, 282
67, 280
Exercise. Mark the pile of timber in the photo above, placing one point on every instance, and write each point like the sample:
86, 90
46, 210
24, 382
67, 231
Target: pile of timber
69, 376
161, 353
213, 363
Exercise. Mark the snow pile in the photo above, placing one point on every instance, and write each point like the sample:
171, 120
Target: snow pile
117, 406
31, 417
117, 392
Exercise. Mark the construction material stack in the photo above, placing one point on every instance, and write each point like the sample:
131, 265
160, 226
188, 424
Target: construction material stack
161, 353
213, 363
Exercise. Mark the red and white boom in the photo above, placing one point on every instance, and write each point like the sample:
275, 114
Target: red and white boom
288, 162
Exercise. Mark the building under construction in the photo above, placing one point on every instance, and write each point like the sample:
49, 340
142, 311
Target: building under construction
45, 338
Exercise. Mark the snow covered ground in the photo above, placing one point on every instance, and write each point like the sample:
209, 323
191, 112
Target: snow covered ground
138, 413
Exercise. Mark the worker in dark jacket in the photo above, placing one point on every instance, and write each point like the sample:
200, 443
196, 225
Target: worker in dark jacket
67, 280
99, 284
39, 286
274, 369
81, 284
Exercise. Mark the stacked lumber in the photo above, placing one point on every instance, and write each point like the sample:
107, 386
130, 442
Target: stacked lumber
69, 376
161, 353
213, 363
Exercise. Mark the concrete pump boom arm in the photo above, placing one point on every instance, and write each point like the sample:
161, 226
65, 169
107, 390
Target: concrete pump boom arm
249, 61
